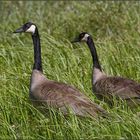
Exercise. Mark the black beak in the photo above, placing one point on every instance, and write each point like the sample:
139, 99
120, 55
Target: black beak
75, 40
19, 30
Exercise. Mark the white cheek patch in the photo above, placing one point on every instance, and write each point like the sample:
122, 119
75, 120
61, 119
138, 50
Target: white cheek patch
85, 37
31, 29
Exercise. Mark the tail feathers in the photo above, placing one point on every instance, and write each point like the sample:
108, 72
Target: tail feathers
98, 111
93, 110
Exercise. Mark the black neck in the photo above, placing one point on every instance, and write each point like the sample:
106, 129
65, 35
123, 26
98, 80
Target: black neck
93, 51
37, 51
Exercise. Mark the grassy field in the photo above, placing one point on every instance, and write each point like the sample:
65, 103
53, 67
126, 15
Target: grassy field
115, 27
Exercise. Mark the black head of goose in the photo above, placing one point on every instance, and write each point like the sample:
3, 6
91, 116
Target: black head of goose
54, 94
105, 87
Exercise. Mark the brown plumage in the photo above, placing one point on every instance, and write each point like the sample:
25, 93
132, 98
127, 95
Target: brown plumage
54, 94
62, 96
119, 87
105, 87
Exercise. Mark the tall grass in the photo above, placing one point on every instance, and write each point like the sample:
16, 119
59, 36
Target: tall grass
115, 27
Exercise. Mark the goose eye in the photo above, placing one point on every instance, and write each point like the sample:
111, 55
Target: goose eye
26, 26
82, 35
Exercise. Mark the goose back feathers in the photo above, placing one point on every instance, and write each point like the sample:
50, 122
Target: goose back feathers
62, 96
123, 88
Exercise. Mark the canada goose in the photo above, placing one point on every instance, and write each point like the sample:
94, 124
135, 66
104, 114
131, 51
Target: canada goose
105, 87
52, 93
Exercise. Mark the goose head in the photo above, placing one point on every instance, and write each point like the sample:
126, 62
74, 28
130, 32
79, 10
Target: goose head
28, 27
82, 37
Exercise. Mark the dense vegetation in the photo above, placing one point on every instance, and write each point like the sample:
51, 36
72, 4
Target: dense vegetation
115, 27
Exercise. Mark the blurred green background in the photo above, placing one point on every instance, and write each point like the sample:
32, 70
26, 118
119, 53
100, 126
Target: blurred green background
115, 27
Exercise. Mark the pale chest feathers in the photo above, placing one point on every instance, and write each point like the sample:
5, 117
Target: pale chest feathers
37, 79
97, 75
